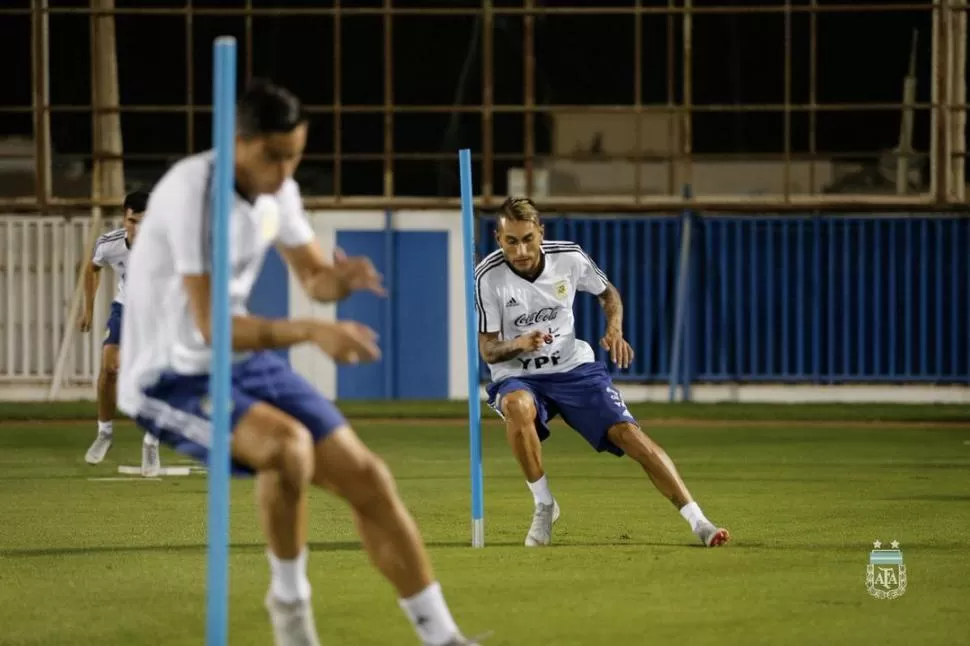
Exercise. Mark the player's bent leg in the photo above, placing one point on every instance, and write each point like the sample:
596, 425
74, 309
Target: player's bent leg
280, 450
520, 410
108, 382
107, 387
631, 439
654, 460
274, 446
346, 467
342, 464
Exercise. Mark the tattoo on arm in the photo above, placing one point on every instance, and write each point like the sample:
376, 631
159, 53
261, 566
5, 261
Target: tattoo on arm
612, 307
494, 350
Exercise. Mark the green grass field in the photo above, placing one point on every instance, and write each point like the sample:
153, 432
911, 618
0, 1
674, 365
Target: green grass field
86, 558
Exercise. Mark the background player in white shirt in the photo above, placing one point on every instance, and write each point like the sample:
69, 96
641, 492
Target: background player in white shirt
283, 430
111, 249
525, 293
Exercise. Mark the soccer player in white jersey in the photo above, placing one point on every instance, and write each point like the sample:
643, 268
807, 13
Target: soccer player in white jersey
111, 249
539, 369
283, 430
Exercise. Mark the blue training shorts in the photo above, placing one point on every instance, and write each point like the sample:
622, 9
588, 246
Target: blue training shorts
112, 333
584, 397
176, 409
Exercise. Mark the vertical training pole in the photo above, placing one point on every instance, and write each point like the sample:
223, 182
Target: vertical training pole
471, 328
223, 135
683, 274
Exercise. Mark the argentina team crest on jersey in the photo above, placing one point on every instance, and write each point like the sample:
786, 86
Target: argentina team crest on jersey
269, 218
561, 289
886, 572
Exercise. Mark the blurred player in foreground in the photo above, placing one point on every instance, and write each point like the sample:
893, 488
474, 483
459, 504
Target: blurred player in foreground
525, 292
283, 430
111, 249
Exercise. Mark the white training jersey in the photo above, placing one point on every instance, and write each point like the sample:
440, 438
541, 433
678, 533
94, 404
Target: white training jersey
174, 240
512, 306
111, 249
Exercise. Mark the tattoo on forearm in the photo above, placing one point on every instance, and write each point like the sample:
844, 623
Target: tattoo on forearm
495, 351
612, 307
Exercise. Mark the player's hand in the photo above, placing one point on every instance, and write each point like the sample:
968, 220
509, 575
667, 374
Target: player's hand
84, 321
620, 351
533, 341
357, 273
346, 341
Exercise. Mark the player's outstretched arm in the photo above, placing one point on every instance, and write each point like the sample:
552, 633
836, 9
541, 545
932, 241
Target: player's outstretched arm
326, 282
248, 332
620, 351
92, 273
344, 341
613, 307
494, 350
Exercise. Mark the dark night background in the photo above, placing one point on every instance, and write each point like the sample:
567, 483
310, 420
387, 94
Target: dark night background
582, 60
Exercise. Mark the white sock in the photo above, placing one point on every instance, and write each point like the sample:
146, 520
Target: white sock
150, 440
540, 491
692, 514
430, 616
289, 581
104, 428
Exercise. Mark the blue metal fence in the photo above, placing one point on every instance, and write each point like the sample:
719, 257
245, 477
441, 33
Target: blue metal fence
820, 299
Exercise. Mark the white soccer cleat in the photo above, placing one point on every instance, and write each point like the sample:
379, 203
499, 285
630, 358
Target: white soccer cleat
293, 623
712, 535
540, 533
98, 449
151, 465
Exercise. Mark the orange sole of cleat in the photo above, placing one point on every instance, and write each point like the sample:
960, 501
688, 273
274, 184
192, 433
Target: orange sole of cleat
720, 538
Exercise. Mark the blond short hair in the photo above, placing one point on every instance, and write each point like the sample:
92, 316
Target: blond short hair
519, 209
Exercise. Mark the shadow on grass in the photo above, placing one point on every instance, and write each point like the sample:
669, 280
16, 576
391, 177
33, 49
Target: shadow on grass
253, 548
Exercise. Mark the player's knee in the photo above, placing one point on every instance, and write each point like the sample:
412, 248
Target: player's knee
519, 407
631, 439
372, 485
109, 363
294, 454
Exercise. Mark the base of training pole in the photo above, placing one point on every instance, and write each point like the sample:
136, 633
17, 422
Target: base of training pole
478, 532
162, 472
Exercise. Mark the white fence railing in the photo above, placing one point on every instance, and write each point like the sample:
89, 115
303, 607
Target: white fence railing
41, 260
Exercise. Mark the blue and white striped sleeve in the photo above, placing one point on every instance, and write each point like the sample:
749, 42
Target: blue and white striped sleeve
489, 312
591, 277
100, 246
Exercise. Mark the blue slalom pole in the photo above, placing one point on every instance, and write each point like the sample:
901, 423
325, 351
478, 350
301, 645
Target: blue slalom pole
471, 328
224, 136
683, 276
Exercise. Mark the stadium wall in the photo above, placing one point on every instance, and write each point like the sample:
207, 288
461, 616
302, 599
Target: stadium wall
790, 309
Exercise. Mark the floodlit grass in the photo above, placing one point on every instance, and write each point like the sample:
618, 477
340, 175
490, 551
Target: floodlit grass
86, 558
